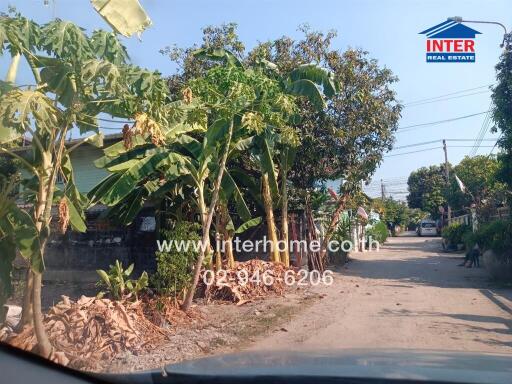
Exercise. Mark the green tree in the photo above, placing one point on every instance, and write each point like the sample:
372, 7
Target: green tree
78, 77
343, 140
394, 211
346, 140
502, 113
427, 189
482, 188
238, 108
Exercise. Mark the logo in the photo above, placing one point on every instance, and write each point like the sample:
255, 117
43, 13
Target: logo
450, 42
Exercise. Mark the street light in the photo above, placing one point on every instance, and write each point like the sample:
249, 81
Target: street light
459, 19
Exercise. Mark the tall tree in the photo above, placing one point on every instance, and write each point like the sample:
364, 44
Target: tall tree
502, 113
77, 78
481, 186
235, 105
346, 138
427, 189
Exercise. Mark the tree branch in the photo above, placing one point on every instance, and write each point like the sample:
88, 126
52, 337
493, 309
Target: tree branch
18, 157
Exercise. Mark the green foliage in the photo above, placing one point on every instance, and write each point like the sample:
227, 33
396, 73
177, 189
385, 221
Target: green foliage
17, 232
479, 176
393, 211
427, 189
456, 233
173, 272
77, 76
20, 109
502, 114
118, 283
17, 229
378, 232
338, 138
342, 231
254, 105
495, 235
343, 141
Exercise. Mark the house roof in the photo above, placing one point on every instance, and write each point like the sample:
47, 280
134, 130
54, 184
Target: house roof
111, 137
450, 29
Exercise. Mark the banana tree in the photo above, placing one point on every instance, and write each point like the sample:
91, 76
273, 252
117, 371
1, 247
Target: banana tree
149, 172
222, 99
79, 77
308, 81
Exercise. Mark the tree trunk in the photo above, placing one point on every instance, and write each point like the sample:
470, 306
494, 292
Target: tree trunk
227, 237
269, 214
13, 69
43, 216
43, 343
206, 226
27, 314
285, 255
332, 225
218, 241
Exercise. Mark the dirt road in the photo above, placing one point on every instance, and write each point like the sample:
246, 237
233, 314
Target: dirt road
405, 296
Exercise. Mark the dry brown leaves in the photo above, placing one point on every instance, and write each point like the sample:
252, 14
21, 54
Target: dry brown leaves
63, 216
127, 136
238, 284
145, 125
91, 330
187, 95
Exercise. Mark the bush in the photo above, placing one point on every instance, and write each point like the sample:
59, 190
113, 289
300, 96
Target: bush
342, 231
174, 268
117, 281
496, 235
378, 232
455, 233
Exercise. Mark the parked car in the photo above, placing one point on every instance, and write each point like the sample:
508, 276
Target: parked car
427, 228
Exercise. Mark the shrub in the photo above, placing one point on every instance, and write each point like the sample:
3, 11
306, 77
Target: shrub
378, 232
455, 233
118, 283
174, 267
342, 231
496, 235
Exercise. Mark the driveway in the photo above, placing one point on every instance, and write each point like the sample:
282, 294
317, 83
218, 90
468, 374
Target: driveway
407, 295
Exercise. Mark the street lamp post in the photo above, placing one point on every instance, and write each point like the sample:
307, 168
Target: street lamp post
506, 35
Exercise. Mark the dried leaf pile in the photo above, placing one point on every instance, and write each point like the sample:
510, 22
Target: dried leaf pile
91, 330
239, 284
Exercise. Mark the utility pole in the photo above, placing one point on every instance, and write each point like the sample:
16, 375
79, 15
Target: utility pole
382, 193
447, 174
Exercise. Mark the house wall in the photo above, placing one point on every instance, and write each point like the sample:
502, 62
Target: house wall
86, 173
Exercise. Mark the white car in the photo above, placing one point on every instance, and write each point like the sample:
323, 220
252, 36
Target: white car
427, 228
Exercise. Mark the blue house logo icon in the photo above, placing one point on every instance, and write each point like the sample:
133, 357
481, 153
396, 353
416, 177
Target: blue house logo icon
450, 42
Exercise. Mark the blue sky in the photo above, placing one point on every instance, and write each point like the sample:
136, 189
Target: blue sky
387, 29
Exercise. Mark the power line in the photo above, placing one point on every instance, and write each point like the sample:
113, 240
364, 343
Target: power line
417, 144
485, 126
408, 153
446, 98
435, 141
408, 127
448, 94
494, 146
